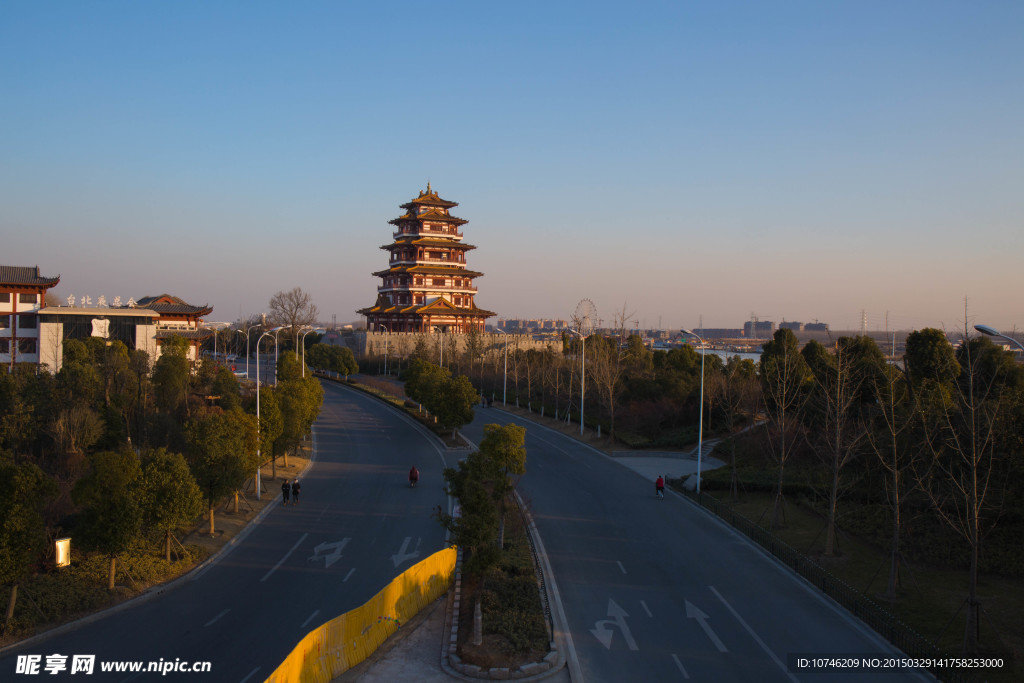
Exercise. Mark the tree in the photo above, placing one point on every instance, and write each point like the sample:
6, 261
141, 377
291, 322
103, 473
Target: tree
482, 483
171, 376
293, 309
453, 405
22, 534
109, 494
968, 456
332, 358
222, 453
738, 388
300, 401
271, 426
784, 378
170, 497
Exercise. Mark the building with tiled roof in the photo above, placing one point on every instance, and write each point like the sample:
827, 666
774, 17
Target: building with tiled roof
427, 285
22, 294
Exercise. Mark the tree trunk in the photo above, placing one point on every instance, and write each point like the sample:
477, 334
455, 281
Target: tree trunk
10, 607
478, 623
830, 531
167, 545
113, 569
211, 518
236, 501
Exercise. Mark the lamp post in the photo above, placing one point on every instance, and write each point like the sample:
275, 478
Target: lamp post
993, 332
246, 333
441, 332
583, 374
277, 343
304, 350
384, 327
258, 449
504, 385
700, 428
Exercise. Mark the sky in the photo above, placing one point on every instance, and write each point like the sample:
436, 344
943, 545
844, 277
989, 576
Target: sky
683, 162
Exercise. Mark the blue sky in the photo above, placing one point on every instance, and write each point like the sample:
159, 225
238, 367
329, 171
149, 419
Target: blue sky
795, 160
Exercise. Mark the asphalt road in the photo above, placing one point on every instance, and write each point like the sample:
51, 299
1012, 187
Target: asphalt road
358, 524
659, 589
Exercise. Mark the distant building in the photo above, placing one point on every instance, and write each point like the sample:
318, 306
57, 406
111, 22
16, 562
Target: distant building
758, 329
22, 295
816, 327
795, 326
427, 284
719, 332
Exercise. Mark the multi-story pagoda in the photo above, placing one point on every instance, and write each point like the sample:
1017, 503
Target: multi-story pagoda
427, 284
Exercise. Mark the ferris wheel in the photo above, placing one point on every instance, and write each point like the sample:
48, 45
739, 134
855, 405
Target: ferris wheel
585, 317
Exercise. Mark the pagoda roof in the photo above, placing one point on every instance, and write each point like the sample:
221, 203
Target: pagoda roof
430, 215
409, 240
429, 270
172, 305
25, 275
429, 198
440, 304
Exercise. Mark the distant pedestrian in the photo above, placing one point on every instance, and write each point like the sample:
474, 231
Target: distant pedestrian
659, 487
296, 488
285, 490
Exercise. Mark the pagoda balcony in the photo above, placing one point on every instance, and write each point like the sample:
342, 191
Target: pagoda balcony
424, 289
422, 230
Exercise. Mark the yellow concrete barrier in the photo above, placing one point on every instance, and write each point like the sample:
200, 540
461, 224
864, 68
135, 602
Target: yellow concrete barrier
332, 649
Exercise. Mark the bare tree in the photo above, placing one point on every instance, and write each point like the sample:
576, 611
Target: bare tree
293, 309
896, 410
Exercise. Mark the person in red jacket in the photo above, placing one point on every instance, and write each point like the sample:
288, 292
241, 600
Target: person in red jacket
414, 476
659, 487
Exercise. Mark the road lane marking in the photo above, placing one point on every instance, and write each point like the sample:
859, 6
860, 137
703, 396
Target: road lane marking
316, 612
350, 573
680, 665
250, 675
332, 557
281, 561
753, 635
621, 567
694, 612
644, 605
401, 556
211, 621
602, 629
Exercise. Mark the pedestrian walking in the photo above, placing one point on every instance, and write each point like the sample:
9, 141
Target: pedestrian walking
659, 487
296, 488
285, 490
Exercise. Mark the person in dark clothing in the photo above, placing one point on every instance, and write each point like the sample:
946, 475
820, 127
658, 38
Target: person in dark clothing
285, 490
659, 486
414, 476
296, 488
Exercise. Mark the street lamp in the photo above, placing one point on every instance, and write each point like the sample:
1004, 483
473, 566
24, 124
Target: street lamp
304, 350
441, 332
258, 463
700, 428
504, 385
583, 374
384, 327
246, 333
992, 332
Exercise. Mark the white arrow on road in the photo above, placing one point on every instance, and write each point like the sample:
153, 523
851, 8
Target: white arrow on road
693, 612
329, 558
602, 629
402, 556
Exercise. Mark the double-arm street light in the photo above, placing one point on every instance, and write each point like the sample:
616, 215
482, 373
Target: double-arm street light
992, 332
700, 428
258, 449
246, 333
